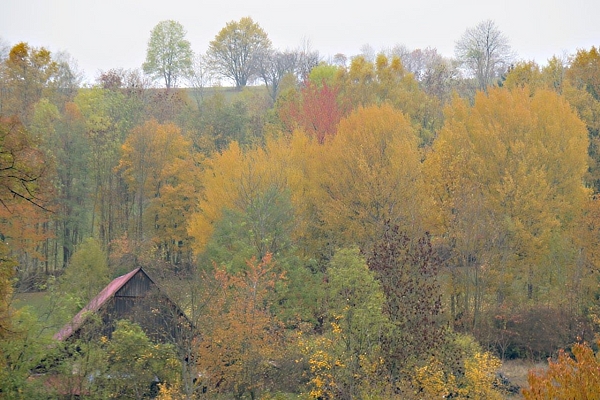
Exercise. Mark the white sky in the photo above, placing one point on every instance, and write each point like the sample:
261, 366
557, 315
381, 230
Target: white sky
104, 34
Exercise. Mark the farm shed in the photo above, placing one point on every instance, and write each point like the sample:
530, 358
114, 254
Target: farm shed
133, 296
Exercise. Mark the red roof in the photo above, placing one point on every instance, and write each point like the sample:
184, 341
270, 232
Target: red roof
94, 305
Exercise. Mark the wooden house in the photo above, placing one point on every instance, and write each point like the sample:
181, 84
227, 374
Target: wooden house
133, 296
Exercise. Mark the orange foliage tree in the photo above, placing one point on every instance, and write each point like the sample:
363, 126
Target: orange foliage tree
241, 338
24, 194
573, 378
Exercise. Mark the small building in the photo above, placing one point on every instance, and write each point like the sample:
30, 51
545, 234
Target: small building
133, 296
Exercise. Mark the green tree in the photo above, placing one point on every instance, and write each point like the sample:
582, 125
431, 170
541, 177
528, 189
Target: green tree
108, 116
236, 51
65, 143
169, 55
87, 272
221, 122
20, 354
134, 362
355, 303
7, 265
264, 225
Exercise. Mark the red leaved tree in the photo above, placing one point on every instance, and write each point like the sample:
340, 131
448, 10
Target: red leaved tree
315, 110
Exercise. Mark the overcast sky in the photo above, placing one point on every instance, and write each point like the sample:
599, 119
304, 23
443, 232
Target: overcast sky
105, 34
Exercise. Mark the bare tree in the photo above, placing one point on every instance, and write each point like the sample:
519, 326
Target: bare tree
4, 49
340, 60
401, 51
484, 52
198, 78
309, 59
437, 75
368, 52
68, 77
274, 65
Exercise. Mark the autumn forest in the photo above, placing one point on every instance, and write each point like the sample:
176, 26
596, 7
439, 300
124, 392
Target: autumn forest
389, 225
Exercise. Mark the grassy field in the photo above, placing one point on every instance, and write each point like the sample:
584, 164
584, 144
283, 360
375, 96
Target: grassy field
36, 300
516, 371
51, 318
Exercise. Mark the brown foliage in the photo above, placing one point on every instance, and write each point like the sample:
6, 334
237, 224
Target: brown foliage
408, 271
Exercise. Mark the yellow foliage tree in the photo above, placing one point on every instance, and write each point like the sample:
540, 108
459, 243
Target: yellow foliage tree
584, 71
346, 360
370, 174
157, 165
232, 180
506, 176
524, 74
344, 189
387, 81
27, 74
579, 83
479, 377
475, 378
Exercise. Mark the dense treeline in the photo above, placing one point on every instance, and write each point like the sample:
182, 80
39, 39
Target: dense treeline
388, 226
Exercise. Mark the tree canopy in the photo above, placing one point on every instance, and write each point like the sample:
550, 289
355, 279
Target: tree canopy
169, 55
386, 225
236, 51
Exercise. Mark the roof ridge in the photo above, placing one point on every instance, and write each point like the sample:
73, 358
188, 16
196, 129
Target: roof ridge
95, 304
